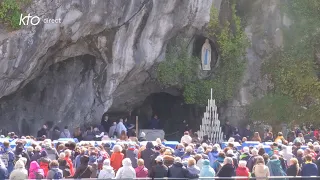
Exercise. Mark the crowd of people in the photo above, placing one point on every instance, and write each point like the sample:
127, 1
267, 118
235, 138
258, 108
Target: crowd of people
191, 158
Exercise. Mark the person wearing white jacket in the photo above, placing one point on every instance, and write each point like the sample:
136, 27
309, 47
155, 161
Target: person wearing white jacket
127, 171
120, 127
107, 171
19, 172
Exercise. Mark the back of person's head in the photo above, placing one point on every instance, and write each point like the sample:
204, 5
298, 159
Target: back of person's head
44, 154
19, 164
254, 152
177, 160
140, 162
54, 163
242, 163
228, 160
66, 127
259, 160
30, 149
280, 134
106, 162
222, 154
6, 144
189, 149
300, 152
117, 148
308, 157
67, 153
126, 162
191, 162
62, 155
246, 149
84, 159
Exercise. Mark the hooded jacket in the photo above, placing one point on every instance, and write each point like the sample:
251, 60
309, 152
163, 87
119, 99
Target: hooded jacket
36, 156
194, 169
53, 171
52, 153
8, 155
84, 171
178, 152
141, 172
107, 171
177, 170
35, 169
275, 168
261, 170
127, 171
217, 164
112, 129
147, 154
213, 156
120, 127
65, 134
207, 170
132, 154
19, 172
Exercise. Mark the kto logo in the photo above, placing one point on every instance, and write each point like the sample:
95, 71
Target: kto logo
35, 20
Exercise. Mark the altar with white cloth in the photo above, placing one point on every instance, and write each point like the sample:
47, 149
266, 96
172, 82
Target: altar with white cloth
153, 134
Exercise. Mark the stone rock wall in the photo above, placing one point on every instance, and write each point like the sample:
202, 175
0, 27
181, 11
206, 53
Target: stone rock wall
123, 39
264, 22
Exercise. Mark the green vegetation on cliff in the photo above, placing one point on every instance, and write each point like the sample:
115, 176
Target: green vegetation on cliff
293, 70
10, 11
182, 69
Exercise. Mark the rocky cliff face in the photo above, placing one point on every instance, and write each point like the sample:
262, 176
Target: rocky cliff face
71, 73
264, 31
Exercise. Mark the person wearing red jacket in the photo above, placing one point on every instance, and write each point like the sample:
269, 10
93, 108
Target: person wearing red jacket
242, 170
116, 157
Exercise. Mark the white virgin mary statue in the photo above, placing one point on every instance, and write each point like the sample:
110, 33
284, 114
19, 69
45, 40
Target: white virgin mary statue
206, 56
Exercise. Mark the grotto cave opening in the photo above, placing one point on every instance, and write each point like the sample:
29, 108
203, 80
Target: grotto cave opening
171, 110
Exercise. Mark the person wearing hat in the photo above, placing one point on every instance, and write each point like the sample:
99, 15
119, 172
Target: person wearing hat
7, 156
207, 170
44, 162
159, 170
177, 170
132, 154
146, 154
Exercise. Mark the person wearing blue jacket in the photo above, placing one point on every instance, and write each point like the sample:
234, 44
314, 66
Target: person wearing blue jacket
309, 168
213, 155
179, 151
217, 165
3, 171
207, 170
7, 157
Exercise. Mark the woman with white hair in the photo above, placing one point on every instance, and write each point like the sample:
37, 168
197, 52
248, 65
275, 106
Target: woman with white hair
227, 169
126, 171
116, 157
242, 170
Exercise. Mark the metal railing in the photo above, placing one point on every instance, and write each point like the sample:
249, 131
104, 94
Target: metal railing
236, 177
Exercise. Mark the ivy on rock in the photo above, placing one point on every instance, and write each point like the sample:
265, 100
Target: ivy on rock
293, 70
180, 69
